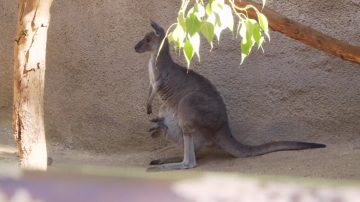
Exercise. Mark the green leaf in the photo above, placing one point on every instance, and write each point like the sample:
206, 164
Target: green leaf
242, 31
191, 11
171, 37
258, 37
246, 46
217, 10
188, 52
217, 4
178, 36
261, 41
243, 56
257, 33
211, 18
227, 19
207, 29
195, 43
224, 17
215, 17
199, 10
264, 24
238, 29
221, 2
208, 9
250, 26
247, 40
218, 31
193, 24
181, 20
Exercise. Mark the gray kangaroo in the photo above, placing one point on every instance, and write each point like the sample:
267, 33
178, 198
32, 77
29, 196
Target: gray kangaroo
194, 109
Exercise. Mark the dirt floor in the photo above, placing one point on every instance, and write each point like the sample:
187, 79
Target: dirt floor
335, 161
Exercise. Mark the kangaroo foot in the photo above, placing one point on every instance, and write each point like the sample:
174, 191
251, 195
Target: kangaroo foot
171, 166
166, 160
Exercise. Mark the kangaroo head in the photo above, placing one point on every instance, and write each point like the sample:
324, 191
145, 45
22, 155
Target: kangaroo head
152, 40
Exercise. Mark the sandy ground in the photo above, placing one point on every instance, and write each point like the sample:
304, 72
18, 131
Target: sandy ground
335, 161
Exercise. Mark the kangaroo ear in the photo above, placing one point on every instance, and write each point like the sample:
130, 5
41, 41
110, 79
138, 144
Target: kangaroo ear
159, 31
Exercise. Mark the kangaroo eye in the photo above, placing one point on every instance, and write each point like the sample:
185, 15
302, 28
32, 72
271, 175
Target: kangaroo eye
147, 40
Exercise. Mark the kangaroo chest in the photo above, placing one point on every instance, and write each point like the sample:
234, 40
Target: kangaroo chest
160, 81
152, 70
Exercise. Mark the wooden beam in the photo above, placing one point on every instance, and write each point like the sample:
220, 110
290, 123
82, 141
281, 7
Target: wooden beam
305, 34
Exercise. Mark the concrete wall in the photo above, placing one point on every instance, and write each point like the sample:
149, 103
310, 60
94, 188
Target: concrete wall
96, 84
7, 31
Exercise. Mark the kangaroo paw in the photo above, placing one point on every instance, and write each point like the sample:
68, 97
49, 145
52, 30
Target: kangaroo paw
157, 119
159, 129
148, 109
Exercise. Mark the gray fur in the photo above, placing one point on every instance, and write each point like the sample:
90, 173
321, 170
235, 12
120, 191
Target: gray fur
167, 125
193, 111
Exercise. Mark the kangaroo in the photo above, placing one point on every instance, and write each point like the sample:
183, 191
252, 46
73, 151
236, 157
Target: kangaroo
194, 108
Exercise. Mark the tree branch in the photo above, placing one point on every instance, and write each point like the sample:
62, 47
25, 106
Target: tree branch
305, 34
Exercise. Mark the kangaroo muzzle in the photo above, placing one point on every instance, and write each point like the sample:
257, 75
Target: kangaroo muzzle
138, 47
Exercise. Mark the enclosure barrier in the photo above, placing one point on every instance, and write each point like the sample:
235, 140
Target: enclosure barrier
104, 184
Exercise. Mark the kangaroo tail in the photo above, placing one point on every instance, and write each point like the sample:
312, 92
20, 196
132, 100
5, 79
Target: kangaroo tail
228, 143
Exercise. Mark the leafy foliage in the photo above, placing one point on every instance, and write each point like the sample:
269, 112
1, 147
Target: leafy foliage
211, 19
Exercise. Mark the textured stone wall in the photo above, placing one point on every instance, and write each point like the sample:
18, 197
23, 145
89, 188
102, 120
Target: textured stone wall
96, 84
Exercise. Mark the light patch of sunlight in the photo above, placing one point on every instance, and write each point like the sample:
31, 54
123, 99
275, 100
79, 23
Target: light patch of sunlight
20, 195
212, 188
10, 170
9, 162
6, 149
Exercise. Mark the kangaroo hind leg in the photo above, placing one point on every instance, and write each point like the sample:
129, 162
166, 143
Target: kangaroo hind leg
189, 158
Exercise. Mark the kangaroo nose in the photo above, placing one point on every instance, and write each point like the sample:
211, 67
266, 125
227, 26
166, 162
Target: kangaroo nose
136, 47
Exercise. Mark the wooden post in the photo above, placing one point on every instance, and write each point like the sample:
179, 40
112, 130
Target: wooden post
305, 34
29, 79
